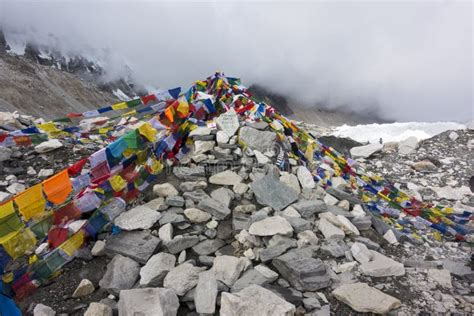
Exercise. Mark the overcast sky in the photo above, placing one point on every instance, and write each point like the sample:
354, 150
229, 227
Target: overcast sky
411, 59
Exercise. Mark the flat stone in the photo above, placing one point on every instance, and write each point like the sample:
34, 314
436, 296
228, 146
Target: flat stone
190, 173
121, 274
215, 208
347, 226
98, 309
269, 191
98, 249
442, 277
48, 146
166, 232
200, 131
278, 246
291, 181
196, 195
164, 190
249, 277
306, 238
43, 310
271, 226
255, 300
229, 268
196, 215
176, 201
223, 195
305, 178
365, 151
303, 272
381, 266
202, 146
227, 177
361, 253
329, 230
407, 146
208, 246
5, 153
336, 248
342, 195
228, 122
365, 299
148, 301
362, 222
140, 217
255, 139
138, 245
84, 288
182, 278
180, 243
307, 208
205, 295
155, 270
192, 185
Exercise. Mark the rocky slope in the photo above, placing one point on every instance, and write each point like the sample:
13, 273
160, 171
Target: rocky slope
228, 233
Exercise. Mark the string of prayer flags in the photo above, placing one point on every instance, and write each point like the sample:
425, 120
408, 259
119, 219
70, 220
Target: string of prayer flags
31, 202
19, 243
58, 187
148, 131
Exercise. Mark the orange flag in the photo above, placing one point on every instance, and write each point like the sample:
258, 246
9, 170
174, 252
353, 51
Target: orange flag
31, 202
58, 187
169, 113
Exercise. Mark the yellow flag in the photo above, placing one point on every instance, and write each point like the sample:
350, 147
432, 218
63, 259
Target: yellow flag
49, 127
117, 183
31, 202
120, 106
148, 131
72, 244
6, 209
20, 243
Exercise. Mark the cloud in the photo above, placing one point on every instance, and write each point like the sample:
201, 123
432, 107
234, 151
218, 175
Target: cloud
412, 60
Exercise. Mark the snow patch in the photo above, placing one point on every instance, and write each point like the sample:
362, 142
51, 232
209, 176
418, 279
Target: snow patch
394, 132
16, 47
121, 95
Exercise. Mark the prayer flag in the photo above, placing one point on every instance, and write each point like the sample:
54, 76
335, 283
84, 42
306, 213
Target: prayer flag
58, 187
31, 202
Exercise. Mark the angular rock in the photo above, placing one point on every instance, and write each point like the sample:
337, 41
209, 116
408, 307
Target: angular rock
329, 230
347, 226
365, 151
215, 208
205, 294
362, 222
182, 278
180, 243
255, 300
381, 266
196, 195
271, 226
336, 248
223, 195
208, 246
291, 181
227, 177
148, 302
249, 277
442, 277
408, 146
271, 192
43, 310
200, 131
365, 299
155, 270
176, 201
303, 272
166, 232
202, 147
196, 215
229, 268
190, 173
164, 190
138, 245
306, 238
48, 146
257, 140
277, 247
140, 217
84, 288
228, 122
5, 153
361, 253
98, 309
342, 195
193, 185
308, 208
305, 178
121, 274
98, 249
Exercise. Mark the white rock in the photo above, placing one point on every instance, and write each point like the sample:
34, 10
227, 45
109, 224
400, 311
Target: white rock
222, 137
205, 294
196, 215
165, 233
182, 278
140, 217
4, 196
453, 136
365, 299
450, 193
442, 277
203, 146
267, 272
164, 190
361, 253
365, 151
358, 211
347, 226
48, 146
329, 230
155, 270
390, 237
227, 177
261, 158
305, 178
98, 309
229, 268
270, 226
240, 188
408, 145
5, 153
42, 248
291, 180
31, 171
348, 266
381, 266
84, 288
228, 122
43, 310
44, 173
290, 211
307, 238
16, 188
200, 131
330, 200
148, 302
98, 249
255, 300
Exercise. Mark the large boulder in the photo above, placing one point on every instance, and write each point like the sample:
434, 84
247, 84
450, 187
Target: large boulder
148, 302
271, 192
48, 146
229, 268
255, 300
305, 177
138, 245
121, 274
156, 269
381, 266
214, 207
255, 139
365, 299
365, 151
140, 217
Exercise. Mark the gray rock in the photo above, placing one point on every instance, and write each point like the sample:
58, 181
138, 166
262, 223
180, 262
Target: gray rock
192, 186
121, 274
249, 277
255, 300
365, 151
291, 181
255, 139
196, 215
369, 243
138, 245
196, 195
208, 246
442, 277
164, 190
362, 222
305, 178
140, 217
459, 269
166, 232
205, 294
342, 195
215, 208
271, 192
329, 230
5, 153
271, 226
190, 173
229, 268
303, 272
277, 247
336, 248
182, 278
177, 201
48, 146
84, 288
98, 249
407, 146
307, 208
365, 299
180, 243
148, 302
311, 303
98, 309
299, 225
202, 146
228, 122
227, 177
381, 266
240, 221
43, 310
223, 195
155, 270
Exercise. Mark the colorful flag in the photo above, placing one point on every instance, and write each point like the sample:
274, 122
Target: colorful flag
58, 187
31, 202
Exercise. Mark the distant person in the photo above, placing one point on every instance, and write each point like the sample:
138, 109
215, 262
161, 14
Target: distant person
380, 141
